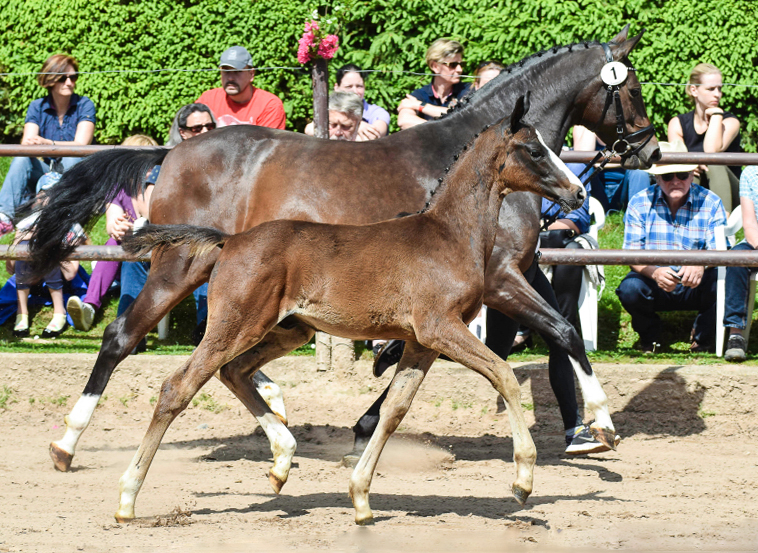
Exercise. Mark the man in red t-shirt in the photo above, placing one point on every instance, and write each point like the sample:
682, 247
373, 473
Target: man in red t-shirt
237, 101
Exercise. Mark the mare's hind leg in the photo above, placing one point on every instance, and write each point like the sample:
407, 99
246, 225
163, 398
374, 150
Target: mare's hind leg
171, 279
517, 299
236, 376
410, 373
453, 338
229, 334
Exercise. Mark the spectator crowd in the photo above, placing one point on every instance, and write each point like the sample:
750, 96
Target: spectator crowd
667, 207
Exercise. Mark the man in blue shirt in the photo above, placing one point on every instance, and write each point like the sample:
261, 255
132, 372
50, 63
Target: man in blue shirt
673, 215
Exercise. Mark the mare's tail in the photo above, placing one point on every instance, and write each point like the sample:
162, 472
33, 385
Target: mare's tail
81, 197
149, 237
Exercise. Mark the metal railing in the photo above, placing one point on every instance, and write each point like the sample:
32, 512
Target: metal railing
549, 256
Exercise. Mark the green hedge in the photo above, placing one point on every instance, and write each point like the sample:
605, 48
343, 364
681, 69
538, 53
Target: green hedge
390, 35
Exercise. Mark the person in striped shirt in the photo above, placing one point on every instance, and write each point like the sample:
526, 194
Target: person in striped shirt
675, 214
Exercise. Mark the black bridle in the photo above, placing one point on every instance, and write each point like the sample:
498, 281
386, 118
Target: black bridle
623, 145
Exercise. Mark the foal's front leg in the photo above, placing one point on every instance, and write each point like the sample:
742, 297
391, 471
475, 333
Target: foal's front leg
452, 338
410, 373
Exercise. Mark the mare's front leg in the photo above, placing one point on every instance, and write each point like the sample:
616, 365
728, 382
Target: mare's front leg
410, 373
268, 410
507, 290
172, 277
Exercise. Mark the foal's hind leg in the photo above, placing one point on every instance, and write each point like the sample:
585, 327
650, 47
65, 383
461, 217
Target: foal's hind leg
410, 373
170, 280
514, 297
452, 338
236, 376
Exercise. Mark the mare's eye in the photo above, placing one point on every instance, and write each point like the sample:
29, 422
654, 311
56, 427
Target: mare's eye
536, 154
635, 92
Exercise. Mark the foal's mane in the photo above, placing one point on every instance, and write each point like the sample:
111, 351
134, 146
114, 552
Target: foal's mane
443, 180
514, 70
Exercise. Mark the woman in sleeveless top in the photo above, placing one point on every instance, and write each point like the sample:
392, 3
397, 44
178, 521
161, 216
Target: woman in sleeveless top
708, 128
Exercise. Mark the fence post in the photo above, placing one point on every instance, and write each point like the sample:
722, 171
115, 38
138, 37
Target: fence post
332, 352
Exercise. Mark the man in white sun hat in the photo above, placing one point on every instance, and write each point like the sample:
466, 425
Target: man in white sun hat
237, 101
673, 214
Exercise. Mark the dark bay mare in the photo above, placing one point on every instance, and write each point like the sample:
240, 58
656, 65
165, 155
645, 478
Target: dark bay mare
238, 177
425, 288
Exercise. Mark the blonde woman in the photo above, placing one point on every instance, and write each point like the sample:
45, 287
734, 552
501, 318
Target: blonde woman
61, 118
445, 59
708, 128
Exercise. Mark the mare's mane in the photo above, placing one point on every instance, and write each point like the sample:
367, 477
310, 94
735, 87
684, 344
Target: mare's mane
514, 70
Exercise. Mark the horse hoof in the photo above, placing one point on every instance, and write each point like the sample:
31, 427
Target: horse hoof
364, 520
520, 494
61, 459
606, 437
276, 482
350, 460
124, 517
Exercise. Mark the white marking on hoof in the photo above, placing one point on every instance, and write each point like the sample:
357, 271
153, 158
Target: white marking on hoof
283, 446
271, 394
594, 396
76, 422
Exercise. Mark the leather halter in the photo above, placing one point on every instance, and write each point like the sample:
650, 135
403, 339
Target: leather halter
623, 145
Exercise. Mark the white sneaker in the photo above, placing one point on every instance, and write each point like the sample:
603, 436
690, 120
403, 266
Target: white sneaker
81, 313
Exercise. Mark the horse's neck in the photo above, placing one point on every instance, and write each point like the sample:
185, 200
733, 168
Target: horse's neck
468, 203
555, 82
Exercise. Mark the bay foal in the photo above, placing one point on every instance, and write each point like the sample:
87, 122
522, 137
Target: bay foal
420, 278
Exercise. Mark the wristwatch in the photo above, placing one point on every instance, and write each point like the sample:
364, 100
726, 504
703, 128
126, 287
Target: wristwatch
421, 107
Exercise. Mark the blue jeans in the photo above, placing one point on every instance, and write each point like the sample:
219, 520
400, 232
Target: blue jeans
201, 302
20, 184
133, 278
735, 300
614, 187
643, 299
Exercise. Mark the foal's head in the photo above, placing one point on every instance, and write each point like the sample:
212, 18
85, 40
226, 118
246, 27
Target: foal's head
527, 164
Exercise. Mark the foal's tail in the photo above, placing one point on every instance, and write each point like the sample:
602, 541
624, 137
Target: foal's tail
160, 237
81, 197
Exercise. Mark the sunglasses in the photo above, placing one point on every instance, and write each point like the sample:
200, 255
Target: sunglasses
64, 78
451, 64
668, 177
199, 128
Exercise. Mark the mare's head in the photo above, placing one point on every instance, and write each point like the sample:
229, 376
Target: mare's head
527, 164
617, 78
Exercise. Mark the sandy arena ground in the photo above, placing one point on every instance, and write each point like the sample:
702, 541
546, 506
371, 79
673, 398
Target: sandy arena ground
685, 476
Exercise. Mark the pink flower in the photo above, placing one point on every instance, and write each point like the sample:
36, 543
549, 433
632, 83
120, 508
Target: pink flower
312, 26
328, 46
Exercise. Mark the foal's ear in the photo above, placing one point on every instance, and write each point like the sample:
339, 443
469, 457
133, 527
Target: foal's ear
519, 111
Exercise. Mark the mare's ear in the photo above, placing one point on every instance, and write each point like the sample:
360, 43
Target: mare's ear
621, 37
625, 47
519, 111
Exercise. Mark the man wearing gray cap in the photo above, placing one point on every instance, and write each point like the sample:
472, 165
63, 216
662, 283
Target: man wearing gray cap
237, 101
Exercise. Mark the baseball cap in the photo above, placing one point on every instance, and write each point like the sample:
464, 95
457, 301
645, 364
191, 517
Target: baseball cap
236, 57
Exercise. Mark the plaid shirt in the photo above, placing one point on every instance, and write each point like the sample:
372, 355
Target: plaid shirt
650, 226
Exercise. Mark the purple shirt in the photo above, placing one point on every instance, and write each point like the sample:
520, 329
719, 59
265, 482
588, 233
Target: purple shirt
124, 201
372, 112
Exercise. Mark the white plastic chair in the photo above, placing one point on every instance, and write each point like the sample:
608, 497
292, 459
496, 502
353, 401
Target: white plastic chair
723, 234
479, 325
588, 291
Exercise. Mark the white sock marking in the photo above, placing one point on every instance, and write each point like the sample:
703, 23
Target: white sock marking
77, 421
594, 396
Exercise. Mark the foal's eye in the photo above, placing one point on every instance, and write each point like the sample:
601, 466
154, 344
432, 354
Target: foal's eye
635, 92
536, 154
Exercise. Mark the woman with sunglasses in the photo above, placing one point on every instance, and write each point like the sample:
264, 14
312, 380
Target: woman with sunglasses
445, 59
709, 128
61, 118
191, 120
